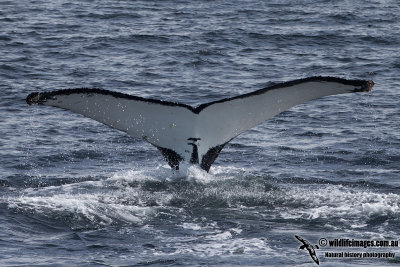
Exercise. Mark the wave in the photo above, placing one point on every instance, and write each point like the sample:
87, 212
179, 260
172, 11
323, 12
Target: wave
136, 197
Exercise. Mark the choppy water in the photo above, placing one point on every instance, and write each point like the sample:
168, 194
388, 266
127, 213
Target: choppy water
74, 192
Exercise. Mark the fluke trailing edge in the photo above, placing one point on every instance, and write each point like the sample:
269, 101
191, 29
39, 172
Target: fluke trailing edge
184, 133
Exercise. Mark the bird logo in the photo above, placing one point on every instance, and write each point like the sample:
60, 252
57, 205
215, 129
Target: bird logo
311, 249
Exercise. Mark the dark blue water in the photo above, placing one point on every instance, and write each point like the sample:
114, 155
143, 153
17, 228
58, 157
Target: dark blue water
76, 193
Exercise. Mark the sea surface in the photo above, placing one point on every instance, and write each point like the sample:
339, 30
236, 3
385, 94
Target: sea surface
74, 192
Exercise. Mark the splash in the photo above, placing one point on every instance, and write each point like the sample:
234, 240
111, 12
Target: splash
135, 197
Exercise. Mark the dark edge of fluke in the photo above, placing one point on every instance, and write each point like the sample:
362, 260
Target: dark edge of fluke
39, 97
33, 98
363, 86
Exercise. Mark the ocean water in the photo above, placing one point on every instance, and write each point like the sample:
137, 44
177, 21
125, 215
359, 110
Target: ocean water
74, 192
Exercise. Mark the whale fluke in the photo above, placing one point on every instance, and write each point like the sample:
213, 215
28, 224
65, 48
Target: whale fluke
193, 134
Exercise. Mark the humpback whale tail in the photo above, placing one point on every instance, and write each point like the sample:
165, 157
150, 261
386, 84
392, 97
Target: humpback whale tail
184, 133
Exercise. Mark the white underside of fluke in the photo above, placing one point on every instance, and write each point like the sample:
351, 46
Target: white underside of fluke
181, 128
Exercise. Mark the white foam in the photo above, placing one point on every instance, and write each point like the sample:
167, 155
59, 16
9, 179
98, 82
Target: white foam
226, 246
90, 201
159, 173
102, 209
165, 173
221, 236
189, 172
325, 201
115, 199
382, 207
191, 226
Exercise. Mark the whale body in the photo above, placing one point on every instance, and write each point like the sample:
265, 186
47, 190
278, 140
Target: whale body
193, 134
